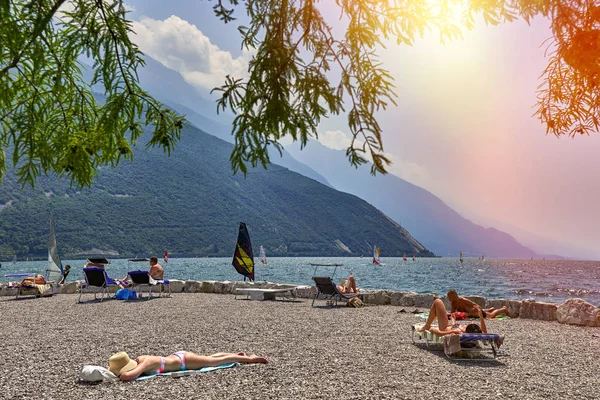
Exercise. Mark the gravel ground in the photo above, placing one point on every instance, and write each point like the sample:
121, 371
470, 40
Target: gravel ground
314, 352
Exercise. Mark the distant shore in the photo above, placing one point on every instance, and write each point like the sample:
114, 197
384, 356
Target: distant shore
319, 352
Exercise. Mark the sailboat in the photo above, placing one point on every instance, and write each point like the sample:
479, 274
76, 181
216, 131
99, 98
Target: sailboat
55, 267
243, 257
262, 255
404, 256
461, 259
376, 253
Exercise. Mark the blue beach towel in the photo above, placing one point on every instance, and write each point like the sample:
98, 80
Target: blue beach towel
205, 369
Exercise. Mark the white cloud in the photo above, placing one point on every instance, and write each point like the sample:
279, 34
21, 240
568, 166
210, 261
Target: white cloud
409, 171
182, 47
337, 140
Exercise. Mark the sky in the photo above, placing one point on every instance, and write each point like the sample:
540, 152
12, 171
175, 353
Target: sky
463, 128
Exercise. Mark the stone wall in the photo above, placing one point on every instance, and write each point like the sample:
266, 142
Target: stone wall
573, 311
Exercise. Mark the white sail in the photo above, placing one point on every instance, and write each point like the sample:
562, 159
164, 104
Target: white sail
262, 256
55, 268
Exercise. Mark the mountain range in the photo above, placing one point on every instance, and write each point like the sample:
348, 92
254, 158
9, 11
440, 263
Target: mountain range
426, 216
190, 204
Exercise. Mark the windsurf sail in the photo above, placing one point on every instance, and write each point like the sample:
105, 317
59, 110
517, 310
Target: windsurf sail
404, 256
262, 256
14, 260
55, 268
461, 259
376, 253
414, 257
243, 257
166, 257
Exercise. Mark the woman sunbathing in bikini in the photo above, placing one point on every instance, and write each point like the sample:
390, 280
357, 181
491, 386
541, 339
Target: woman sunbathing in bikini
438, 310
126, 369
348, 286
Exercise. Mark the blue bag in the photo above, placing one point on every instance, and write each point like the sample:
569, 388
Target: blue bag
125, 294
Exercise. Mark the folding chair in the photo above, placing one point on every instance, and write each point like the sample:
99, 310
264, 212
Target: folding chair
329, 290
142, 278
97, 277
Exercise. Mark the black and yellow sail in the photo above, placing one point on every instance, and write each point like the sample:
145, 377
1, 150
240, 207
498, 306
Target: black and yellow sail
243, 257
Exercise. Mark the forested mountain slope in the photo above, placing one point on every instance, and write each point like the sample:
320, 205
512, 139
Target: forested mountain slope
191, 204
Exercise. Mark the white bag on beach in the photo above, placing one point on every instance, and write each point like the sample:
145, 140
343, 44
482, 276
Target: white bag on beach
95, 373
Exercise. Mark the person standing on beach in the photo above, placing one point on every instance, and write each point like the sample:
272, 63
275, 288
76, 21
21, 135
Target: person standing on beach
462, 304
156, 270
65, 273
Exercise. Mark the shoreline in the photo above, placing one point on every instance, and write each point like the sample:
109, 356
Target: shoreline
573, 311
314, 353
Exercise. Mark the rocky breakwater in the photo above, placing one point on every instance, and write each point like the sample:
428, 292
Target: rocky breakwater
572, 311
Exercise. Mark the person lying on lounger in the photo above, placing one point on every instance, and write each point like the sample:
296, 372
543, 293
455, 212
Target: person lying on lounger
127, 369
29, 281
348, 286
438, 311
471, 309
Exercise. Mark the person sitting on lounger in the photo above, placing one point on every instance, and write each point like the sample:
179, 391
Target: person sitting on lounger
348, 286
471, 309
156, 270
438, 311
127, 369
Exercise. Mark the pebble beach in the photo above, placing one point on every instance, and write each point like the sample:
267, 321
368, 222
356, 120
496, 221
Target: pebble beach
322, 352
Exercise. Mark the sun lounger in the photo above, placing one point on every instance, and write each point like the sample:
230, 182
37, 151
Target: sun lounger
266, 294
96, 277
141, 279
467, 346
328, 290
31, 287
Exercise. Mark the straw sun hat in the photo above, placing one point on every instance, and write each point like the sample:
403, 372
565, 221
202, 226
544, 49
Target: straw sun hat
120, 362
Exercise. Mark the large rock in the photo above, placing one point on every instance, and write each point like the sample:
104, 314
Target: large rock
578, 312
224, 287
403, 299
514, 306
538, 310
192, 287
70, 288
207, 286
424, 300
6, 291
380, 297
480, 301
176, 285
306, 292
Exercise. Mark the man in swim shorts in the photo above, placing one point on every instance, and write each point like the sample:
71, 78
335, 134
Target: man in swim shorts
462, 304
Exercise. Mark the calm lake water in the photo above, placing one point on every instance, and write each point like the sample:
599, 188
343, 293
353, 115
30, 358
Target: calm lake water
544, 280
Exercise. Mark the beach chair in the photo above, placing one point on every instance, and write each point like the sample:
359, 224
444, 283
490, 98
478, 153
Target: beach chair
467, 346
42, 288
141, 279
327, 289
97, 277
